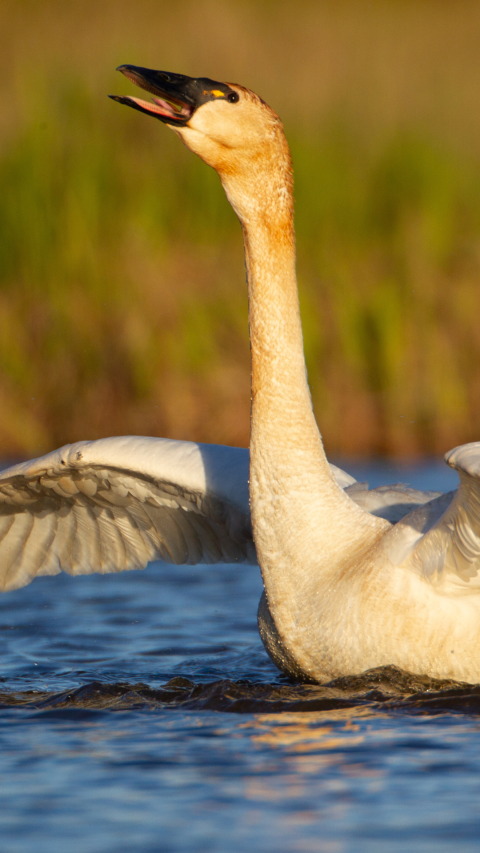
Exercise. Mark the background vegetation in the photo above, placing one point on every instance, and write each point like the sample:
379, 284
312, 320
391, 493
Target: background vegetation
122, 297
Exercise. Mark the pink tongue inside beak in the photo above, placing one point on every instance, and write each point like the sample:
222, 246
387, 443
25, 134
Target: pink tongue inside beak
171, 110
161, 108
153, 108
164, 104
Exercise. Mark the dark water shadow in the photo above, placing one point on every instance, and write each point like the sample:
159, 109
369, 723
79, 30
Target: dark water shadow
382, 689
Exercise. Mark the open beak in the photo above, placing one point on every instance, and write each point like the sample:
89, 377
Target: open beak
172, 103
175, 96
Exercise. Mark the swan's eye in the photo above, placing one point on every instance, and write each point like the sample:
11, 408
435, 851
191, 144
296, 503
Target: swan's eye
233, 97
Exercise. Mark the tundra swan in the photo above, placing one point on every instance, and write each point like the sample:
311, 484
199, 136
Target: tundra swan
353, 578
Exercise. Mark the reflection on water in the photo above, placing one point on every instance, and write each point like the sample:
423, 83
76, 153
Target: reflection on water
140, 712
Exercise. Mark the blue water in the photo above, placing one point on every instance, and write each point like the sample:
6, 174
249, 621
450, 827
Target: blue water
139, 712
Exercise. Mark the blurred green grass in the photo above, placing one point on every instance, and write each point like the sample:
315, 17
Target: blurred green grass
122, 297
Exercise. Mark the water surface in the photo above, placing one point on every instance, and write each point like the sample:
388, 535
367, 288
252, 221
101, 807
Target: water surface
140, 712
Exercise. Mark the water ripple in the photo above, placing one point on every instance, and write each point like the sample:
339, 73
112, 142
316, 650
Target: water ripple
385, 688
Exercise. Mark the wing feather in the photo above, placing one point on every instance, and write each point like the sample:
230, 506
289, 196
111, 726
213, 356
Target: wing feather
16, 541
445, 534
118, 503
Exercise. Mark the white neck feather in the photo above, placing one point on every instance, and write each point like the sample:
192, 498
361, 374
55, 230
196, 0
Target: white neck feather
303, 522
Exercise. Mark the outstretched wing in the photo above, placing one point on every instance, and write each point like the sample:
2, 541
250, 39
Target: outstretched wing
117, 503
441, 540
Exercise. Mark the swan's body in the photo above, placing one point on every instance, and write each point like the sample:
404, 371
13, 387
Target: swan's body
345, 588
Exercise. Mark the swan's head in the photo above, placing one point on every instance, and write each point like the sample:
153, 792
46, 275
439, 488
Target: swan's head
228, 126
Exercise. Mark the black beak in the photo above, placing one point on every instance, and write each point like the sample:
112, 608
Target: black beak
175, 96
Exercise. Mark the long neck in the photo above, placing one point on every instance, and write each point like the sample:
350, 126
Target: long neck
303, 522
282, 420
289, 470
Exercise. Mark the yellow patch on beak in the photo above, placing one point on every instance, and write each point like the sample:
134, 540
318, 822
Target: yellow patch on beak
217, 93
